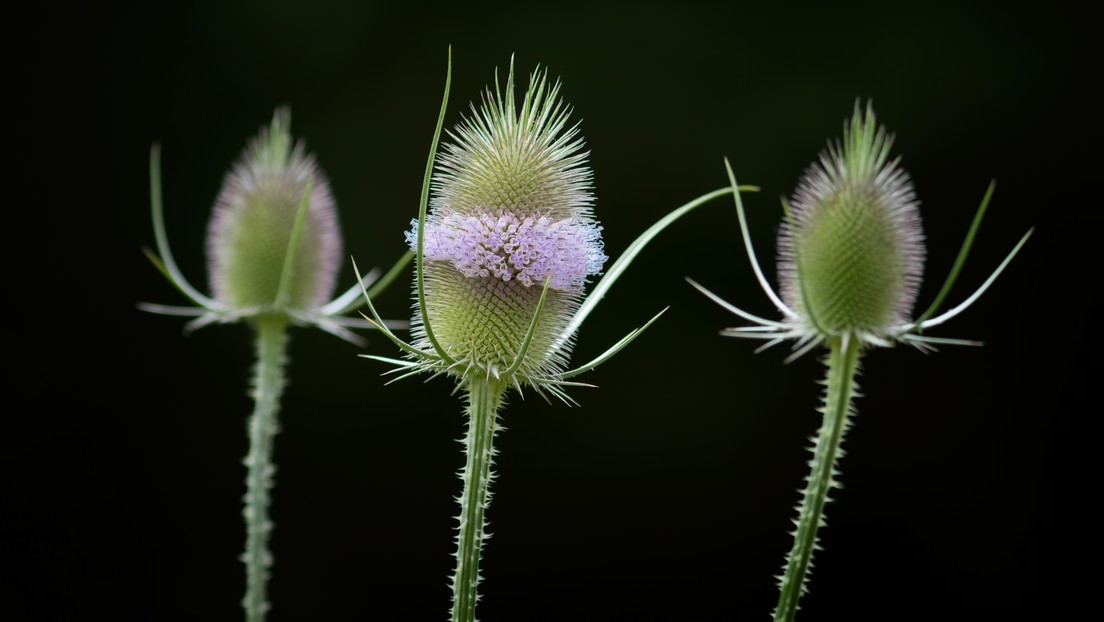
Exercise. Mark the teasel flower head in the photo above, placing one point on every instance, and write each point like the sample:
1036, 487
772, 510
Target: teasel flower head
273, 242
511, 221
851, 251
508, 243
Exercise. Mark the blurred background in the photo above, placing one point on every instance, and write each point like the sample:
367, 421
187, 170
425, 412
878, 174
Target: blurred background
667, 493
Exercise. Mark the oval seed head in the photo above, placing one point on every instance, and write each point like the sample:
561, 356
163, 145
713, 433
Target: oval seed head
851, 254
253, 220
511, 207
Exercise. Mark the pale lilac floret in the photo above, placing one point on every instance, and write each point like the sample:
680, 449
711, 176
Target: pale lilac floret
505, 246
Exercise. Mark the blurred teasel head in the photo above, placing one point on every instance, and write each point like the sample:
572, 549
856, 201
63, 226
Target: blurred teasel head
273, 243
254, 219
511, 213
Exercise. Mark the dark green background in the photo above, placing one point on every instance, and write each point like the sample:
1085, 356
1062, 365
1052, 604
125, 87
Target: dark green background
667, 494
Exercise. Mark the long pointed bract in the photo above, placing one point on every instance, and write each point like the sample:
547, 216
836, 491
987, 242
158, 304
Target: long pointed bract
733, 308
382, 327
751, 251
528, 339
614, 349
960, 260
351, 299
422, 206
167, 263
287, 273
614, 271
981, 290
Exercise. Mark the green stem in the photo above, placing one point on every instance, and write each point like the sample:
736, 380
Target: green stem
268, 384
843, 362
484, 400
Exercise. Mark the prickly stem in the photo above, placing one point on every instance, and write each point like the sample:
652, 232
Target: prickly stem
268, 384
484, 401
843, 363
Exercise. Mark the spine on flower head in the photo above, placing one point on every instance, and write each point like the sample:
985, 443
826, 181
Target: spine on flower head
253, 222
511, 211
851, 254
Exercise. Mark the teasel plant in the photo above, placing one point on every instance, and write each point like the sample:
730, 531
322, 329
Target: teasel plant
273, 253
502, 260
850, 263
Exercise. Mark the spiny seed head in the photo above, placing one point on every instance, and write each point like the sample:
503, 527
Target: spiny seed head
253, 220
511, 207
851, 254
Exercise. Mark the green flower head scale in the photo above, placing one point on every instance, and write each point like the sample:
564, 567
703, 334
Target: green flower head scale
511, 210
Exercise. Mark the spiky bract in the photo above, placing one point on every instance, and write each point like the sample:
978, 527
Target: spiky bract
511, 209
851, 256
253, 220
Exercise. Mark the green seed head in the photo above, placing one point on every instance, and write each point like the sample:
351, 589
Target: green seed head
851, 254
511, 211
253, 220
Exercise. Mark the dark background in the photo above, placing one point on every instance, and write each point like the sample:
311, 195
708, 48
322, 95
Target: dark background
667, 494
